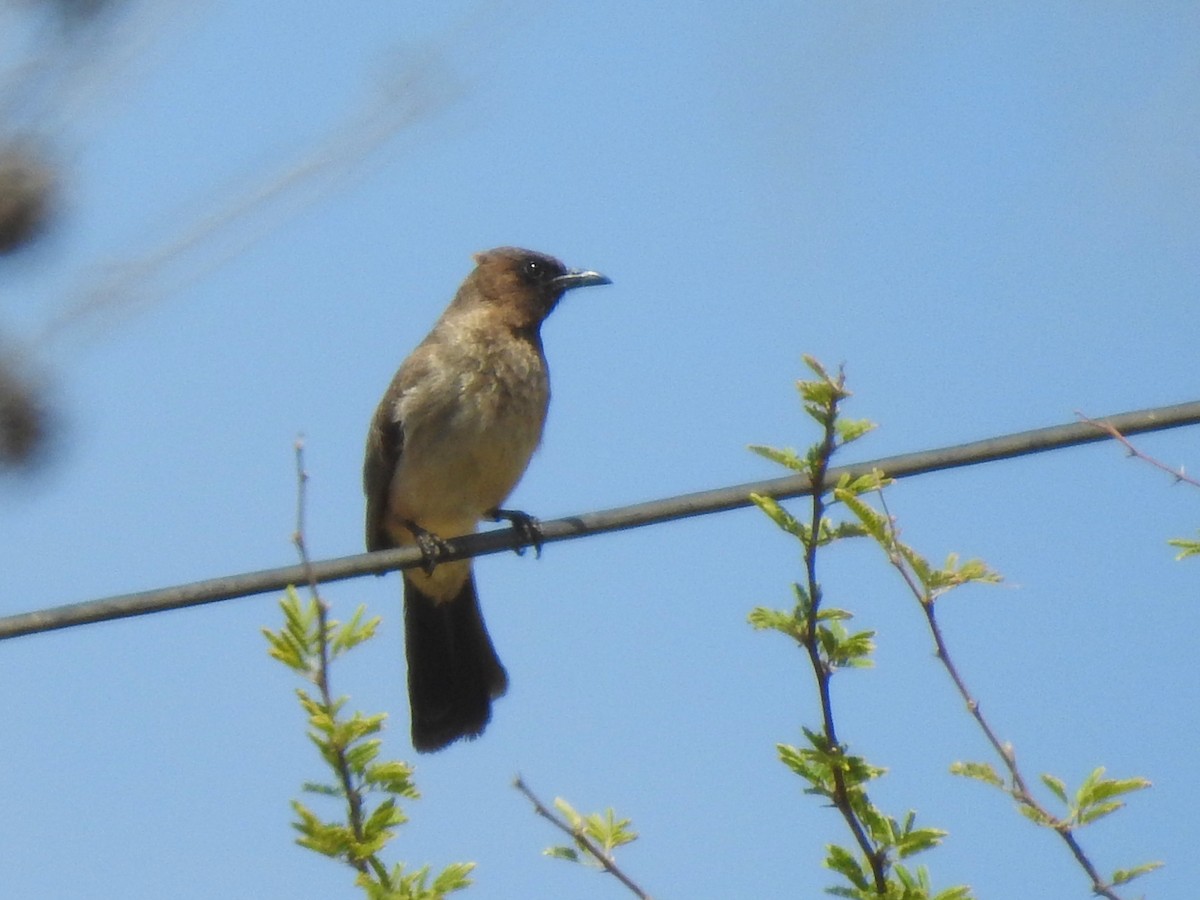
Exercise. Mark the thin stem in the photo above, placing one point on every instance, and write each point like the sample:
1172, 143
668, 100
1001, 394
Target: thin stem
1179, 474
320, 676
821, 670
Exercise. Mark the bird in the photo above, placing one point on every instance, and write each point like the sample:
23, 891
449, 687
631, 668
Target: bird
447, 444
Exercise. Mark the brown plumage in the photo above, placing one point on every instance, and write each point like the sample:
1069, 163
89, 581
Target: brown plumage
447, 445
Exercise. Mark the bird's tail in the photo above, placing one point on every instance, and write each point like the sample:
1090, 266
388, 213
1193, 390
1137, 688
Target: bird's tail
453, 671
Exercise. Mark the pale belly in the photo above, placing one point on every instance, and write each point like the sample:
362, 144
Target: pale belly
460, 461
446, 482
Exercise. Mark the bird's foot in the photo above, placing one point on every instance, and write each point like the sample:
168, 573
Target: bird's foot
432, 547
527, 527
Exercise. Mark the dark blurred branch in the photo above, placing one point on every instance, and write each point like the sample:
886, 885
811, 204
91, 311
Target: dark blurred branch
416, 90
27, 192
68, 54
25, 415
702, 503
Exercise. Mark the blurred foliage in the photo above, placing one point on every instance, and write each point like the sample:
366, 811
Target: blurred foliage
25, 417
27, 195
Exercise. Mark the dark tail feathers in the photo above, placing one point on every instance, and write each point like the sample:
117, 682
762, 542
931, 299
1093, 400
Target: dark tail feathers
453, 671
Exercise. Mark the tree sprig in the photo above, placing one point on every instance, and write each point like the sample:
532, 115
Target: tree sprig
369, 788
594, 836
1096, 797
871, 867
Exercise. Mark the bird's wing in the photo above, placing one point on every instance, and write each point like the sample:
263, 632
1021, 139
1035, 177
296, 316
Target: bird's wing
385, 443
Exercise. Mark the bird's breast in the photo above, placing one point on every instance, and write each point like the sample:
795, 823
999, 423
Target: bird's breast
470, 429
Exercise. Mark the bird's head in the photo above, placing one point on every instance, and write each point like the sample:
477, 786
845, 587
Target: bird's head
525, 285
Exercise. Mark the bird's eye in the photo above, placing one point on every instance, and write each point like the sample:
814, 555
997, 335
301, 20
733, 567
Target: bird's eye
535, 269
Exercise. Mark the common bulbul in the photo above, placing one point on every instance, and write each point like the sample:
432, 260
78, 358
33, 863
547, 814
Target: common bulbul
447, 445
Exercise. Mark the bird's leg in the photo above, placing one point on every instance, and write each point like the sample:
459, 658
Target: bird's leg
528, 529
432, 547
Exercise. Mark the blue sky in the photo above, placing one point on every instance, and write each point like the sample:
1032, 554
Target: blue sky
989, 214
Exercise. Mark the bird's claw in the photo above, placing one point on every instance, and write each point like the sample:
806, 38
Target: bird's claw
432, 547
528, 529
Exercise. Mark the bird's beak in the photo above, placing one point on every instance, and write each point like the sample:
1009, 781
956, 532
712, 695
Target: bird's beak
577, 278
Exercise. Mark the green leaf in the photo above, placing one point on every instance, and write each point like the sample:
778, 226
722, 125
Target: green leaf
791, 624
285, 649
1187, 547
1056, 785
832, 613
816, 367
353, 633
345, 732
881, 828
359, 756
841, 530
1095, 798
1124, 876
1103, 789
842, 861
867, 483
1083, 796
840, 649
327, 838
392, 776
919, 840
809, 766
324, 790
786, 457
609, 831
952, 574
1097, 811
385, 817
822, 396
295, 644
574, 819
762, 618
849, 430
454, 877
780, 516
1035, 815
980, 771
874, 522
597, 835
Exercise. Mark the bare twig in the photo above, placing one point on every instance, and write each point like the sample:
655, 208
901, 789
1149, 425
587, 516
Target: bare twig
577, 835
1179, 474
298, 534
636, 516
